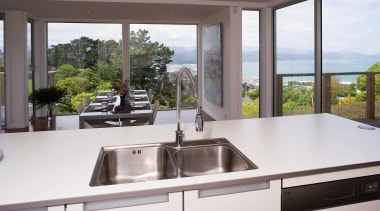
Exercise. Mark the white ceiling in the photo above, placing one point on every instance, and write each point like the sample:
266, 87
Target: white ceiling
163, 10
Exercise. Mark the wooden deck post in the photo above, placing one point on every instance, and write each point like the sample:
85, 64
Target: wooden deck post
370, 109
326, 93
278, 105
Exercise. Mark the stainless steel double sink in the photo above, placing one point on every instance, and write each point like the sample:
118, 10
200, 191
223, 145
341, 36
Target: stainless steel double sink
138, 163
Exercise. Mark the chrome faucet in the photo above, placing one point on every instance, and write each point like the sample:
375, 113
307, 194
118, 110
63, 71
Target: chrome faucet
198, 118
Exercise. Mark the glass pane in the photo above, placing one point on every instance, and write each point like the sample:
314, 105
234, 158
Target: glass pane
295, 58
351, 50
2, 79
84, 58
30, 66
250, 85
157, 52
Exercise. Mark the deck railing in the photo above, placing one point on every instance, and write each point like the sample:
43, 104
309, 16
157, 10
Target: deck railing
340, 94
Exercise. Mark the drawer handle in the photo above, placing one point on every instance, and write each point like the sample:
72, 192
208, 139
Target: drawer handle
233, 189
126, 202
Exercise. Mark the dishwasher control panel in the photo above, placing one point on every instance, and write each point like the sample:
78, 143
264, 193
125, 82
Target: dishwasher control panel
330, 194
372, 187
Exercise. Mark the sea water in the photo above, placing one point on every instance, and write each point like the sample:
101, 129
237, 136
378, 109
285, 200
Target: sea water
251, 69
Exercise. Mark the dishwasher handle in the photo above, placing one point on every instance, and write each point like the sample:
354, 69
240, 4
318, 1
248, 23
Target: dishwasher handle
338, 193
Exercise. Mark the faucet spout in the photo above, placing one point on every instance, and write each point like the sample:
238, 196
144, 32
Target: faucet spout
199, 122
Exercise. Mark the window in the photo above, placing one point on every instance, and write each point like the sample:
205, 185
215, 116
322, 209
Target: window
30, 64
83, 57
2, 78
250, 85
294, 59
350, 51
157, 52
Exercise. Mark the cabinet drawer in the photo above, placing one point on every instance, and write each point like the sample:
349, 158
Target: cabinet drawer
170, 201
260, 199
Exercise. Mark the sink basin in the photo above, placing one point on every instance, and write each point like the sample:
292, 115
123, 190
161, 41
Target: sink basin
128, 164
214, 159
138, 163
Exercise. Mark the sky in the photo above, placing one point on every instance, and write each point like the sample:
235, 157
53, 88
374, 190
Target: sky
171, 35
347, 26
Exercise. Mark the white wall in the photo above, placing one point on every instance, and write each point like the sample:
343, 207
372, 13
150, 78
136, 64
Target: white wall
232, 65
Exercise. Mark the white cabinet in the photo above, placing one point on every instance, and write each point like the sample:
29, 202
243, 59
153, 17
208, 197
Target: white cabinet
74, 207
264, 195
170, 201
57, 208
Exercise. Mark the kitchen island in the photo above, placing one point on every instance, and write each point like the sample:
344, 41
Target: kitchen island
54, 168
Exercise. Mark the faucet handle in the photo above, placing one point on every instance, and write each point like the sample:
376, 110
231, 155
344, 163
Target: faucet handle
199, 122
179, 138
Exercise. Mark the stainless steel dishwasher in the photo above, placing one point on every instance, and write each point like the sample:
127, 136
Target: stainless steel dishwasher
340, 194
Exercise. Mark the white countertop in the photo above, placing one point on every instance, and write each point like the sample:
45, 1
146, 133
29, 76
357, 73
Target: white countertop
54, 167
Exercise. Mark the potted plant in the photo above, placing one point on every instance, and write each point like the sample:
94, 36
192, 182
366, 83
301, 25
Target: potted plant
49, 96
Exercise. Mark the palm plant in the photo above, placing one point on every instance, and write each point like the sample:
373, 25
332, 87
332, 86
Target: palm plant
49, 96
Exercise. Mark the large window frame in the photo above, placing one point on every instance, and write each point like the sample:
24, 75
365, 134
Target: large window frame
126, 62
334, 89
317, 73
251, 83
98, 54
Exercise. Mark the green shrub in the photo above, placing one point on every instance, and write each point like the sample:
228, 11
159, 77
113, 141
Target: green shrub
80, 98
250, 109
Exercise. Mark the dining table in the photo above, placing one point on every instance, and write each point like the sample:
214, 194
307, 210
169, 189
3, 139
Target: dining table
109, 106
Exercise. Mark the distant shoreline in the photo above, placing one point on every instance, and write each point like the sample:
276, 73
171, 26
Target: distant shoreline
251, 69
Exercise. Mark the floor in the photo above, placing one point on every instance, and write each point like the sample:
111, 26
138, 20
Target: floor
71, 122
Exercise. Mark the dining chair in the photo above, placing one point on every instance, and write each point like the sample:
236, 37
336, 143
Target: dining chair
150, 95
96, 123
87, 99
87, 125
80, 108
145, 120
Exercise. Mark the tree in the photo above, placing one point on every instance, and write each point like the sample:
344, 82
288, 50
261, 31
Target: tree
148, 62
253, 94
161, 60
362, 79
66, 71
85, 64
340, 90
90, 79
141, 52
110, 61
70, 86
112, 70
296, 97
83, 53
57, 55
108, 49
